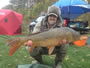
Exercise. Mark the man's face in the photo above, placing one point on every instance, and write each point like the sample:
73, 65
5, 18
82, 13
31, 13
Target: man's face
52, 19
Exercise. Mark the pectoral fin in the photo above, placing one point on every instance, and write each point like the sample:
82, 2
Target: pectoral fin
51, 50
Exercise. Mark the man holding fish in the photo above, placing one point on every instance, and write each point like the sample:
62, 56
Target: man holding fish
49, 37
52, 20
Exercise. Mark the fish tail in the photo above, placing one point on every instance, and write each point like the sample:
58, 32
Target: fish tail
15, 45
13, 49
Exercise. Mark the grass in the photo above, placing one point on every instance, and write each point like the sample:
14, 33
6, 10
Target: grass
77, 57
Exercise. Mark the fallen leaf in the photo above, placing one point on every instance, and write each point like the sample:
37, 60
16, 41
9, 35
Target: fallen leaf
0, 55
9, 64
16, 60
82, 60
88, 55
25, 56
67, 58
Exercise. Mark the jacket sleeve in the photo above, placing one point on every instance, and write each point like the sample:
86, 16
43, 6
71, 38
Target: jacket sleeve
37, 28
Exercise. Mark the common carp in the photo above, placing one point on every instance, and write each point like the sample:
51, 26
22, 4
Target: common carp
50, 39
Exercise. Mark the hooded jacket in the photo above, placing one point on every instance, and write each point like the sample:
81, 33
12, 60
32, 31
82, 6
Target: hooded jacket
43, 25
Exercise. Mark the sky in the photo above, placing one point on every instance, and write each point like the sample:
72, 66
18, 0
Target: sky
3, 3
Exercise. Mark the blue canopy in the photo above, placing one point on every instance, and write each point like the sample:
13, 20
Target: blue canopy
73, 11
63, 3
69, 8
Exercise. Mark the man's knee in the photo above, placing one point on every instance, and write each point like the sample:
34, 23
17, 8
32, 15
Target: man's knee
35, 51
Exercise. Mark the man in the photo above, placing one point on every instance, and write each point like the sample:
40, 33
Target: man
52, 20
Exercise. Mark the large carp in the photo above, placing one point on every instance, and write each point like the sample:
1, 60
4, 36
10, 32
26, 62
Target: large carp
50, 39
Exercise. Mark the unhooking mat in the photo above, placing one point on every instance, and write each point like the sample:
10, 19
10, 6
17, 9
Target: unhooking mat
33, 66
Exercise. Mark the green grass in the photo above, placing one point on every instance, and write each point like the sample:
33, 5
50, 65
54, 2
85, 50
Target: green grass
77, 57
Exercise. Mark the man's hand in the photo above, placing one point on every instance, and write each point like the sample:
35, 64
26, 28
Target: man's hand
28, 43
63, 42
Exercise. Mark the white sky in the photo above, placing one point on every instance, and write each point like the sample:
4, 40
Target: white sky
3, 3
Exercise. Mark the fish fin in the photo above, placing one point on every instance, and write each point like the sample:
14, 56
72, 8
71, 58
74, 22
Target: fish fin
31, 48
15, 45
51, 50
49, 47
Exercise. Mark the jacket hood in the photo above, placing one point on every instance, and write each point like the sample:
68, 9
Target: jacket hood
55, 10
